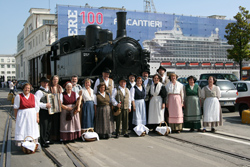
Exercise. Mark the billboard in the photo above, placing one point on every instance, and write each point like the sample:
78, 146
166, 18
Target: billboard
73, 20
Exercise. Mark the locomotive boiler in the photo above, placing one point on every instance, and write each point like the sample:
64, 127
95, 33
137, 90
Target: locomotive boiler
87, 55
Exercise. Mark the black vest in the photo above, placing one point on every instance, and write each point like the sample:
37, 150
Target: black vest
139, 94
44, 98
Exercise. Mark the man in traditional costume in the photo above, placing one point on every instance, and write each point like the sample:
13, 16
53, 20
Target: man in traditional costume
45, 118
121, 99
147, 83
108, 81
131, 83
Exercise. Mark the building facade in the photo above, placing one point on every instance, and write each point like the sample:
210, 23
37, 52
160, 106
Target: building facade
34, 41
7, 67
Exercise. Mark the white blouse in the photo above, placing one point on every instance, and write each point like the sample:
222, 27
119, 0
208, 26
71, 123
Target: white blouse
175, 89
86, 96
132, 93
17, 102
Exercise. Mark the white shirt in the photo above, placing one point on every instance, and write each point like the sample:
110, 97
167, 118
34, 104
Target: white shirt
132, 84
11, 85
97, 82
114, 93
17, 102
39, 95
175, 89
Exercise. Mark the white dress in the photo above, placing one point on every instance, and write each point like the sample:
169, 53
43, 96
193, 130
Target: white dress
156, 113
26, 120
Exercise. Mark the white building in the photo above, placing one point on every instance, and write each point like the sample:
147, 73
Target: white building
8, 67
34, 41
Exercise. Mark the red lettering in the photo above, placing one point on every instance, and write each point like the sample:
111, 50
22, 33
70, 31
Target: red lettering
83, 17
91, 18
99, 16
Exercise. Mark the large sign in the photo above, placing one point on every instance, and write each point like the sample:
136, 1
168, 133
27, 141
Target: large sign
73, 20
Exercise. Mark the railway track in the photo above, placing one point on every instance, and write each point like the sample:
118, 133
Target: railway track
6, 148
219, 150
78, 162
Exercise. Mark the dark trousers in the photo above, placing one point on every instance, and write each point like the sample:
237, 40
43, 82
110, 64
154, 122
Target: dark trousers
45, 126
12, 91
130, 115
124, 118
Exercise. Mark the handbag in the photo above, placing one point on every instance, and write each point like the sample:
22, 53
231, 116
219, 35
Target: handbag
29, 147
163, 130
68, 116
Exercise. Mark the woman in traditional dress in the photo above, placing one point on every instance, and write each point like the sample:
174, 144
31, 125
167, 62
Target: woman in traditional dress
212, 114
174, 103
70, 126
157, 102
137, 95
104, 122
88, 112
55, 89
26, 110
192, 110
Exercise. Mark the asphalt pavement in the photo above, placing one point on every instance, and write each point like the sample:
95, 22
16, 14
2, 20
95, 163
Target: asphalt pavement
185, 149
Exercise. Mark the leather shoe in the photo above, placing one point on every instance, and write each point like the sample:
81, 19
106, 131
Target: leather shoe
117, 136
49, 142
126, 135
45, 145
213, 130
204, 130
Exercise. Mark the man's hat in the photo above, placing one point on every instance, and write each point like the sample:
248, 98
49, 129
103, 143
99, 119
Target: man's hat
106, 70
43, 79
147, 70
122, 78
132, 74
161, 68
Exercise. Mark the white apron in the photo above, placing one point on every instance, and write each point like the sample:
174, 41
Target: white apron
155, 113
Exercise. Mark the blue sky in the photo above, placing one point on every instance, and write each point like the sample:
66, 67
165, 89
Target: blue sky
15, 12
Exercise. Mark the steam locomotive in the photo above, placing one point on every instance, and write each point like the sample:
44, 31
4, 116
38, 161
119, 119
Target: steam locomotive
87, 55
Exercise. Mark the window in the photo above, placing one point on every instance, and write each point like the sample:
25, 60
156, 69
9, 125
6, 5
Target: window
2, 72
21, 60
13, 60
8, 66
8, 60
2, 66
13, 72
2, 60
13, 77
13, 66
242, 87
48, 22
8, 72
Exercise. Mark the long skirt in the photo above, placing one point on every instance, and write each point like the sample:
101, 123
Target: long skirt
175, 118
156, 113
139, 115
26, 124
212, 114
192, 112
104, 122
69, 130
88, 114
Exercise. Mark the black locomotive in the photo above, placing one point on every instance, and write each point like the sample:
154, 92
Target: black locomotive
87, 55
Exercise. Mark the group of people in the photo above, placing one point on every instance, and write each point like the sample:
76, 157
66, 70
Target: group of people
105, 108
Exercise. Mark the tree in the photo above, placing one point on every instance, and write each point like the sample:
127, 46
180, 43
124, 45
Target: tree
238, 35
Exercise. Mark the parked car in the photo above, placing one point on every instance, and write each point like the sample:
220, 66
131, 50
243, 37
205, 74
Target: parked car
243, 88
228, 93
242, 103
183, 81
230, 77
20, 83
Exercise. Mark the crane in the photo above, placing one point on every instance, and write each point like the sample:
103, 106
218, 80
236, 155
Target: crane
148, 4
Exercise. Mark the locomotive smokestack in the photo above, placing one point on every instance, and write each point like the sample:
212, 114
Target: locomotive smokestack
121, 24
